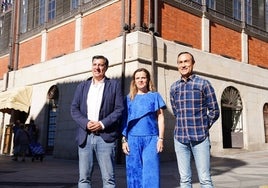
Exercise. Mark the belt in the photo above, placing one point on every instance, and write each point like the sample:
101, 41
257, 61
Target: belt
96, 133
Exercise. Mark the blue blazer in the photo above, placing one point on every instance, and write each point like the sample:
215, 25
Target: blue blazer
110, 113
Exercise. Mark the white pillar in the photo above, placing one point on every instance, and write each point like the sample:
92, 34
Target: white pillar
205, 34
78, 32
44, 45
244, 47
2, 138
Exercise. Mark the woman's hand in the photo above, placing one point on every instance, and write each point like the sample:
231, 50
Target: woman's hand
160, 145
125, 148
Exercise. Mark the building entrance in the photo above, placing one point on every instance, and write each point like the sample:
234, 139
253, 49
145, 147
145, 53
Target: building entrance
265, 120
232, 127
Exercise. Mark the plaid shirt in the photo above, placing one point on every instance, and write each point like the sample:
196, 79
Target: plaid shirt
195, 107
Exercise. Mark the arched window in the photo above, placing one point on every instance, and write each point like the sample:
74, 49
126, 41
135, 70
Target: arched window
265, 120
53, 97
232, 126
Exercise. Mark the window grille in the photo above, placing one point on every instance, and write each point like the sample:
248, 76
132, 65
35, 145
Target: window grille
232, 102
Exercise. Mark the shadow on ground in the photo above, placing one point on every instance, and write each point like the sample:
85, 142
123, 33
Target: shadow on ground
219, 166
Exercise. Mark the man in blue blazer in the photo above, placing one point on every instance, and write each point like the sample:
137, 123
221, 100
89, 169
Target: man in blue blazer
97, 109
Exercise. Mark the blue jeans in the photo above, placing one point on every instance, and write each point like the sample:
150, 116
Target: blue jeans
105, 154
201, 155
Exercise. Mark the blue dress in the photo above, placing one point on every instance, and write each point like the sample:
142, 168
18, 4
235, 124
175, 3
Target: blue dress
141, 129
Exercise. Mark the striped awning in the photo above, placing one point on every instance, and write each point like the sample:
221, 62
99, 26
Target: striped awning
17, 99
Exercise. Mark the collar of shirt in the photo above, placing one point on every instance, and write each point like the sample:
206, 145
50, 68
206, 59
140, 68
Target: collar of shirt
94, 82
192, 77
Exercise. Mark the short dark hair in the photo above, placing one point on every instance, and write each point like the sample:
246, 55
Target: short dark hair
106, 61
193, 60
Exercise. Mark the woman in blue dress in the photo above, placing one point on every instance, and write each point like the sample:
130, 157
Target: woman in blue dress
143, 132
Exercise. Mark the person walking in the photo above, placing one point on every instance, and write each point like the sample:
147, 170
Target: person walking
97, 109
195, 107
15, 129
33, 131
22, 142
143, 132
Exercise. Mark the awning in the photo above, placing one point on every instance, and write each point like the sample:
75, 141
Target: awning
17, 99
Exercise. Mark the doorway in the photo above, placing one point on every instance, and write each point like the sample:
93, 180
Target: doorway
265, 120
232, 126
53, 96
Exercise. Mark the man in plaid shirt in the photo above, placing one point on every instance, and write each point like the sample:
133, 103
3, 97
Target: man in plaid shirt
195, 107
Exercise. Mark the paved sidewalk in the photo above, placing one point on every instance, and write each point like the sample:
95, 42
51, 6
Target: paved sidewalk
245, 170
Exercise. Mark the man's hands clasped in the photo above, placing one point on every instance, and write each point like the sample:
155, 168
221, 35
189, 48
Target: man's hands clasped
94, 126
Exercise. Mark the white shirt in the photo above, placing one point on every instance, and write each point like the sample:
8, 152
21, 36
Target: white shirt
94, 98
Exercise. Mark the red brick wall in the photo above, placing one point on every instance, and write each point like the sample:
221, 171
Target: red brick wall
133, 17
104, 24
3, 65
181, 26
145, 15
258, 52
60, 41
225, 41
30, 52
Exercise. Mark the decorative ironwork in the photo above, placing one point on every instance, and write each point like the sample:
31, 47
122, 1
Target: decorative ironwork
231, 98
53, 92
232, 123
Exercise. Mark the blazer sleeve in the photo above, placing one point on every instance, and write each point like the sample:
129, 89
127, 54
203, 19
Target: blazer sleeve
78, 106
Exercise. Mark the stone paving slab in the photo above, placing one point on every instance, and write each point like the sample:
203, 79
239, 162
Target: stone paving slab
244, 170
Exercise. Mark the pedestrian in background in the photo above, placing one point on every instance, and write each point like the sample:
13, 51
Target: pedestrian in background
22, 142
33, 131
15, 128
97, 109
143, 132
195, 107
